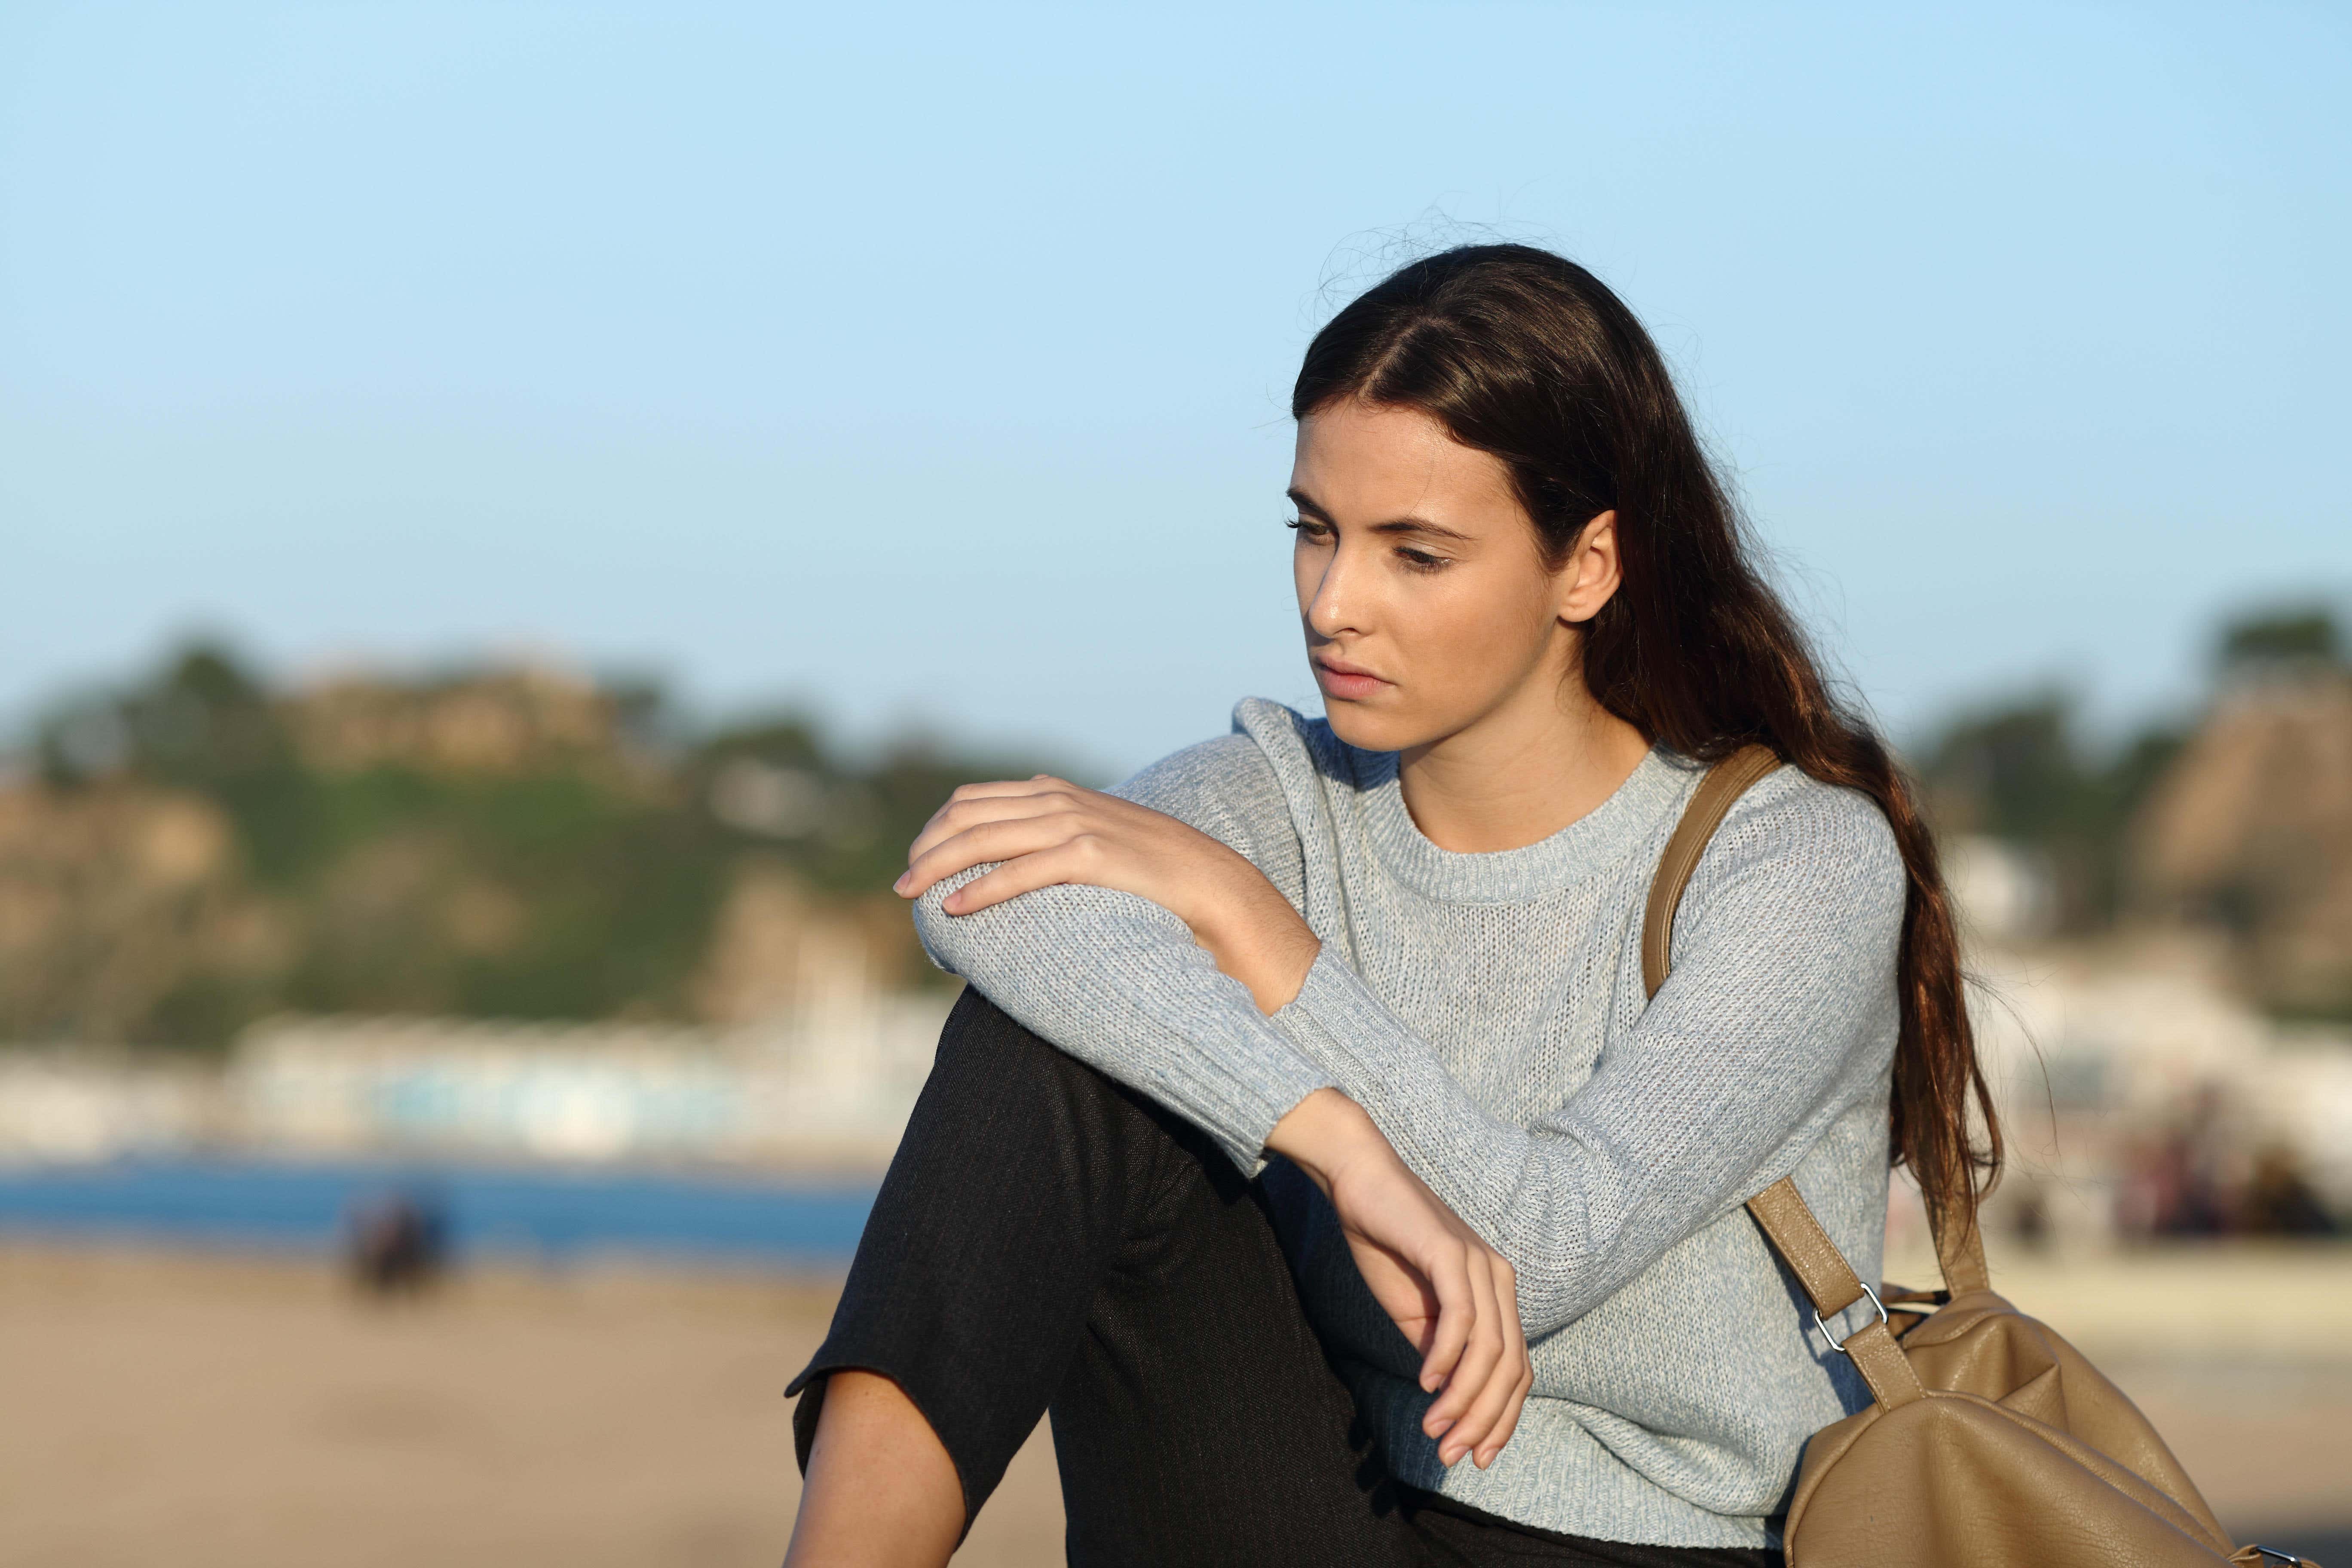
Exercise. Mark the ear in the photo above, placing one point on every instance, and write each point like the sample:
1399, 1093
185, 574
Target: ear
1591, 572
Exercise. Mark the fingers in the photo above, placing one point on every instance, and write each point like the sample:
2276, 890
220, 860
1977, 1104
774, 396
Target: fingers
963, 810
1033, 784
1465, 1413
1488, 1386
1457, 1314
1507, 1288
947, 845
1481, 1434
1474, 1434
1020, 874
988, 841
1509, 1424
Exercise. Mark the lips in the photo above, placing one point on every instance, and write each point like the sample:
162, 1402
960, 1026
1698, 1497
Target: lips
1346, 683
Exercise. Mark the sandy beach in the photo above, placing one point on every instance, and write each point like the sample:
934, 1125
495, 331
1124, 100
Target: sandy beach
211, 1410
208, 1410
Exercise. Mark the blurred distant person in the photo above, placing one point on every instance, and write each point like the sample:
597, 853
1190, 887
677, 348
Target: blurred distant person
399, 1243
2175, 1182
2028, 1219
1393, 957
2280, 1199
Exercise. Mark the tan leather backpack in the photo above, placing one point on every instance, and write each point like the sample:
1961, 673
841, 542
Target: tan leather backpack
1990, 1442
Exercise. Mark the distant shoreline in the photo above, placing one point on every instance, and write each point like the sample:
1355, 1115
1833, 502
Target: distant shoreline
726, 1217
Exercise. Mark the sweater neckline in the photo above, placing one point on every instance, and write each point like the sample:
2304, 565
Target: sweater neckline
1599, 838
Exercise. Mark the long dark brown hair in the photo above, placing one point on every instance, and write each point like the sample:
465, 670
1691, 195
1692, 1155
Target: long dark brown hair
1526, 355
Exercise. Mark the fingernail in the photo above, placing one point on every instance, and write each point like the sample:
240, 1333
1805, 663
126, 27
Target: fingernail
901, 885
1440, 1429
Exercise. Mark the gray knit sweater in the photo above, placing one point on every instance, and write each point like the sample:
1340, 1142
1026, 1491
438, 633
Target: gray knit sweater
1487, 1011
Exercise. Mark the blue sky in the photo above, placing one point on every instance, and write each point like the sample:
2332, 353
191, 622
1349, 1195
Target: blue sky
927, 364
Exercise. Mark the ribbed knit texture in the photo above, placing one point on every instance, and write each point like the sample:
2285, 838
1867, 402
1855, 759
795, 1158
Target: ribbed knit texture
1487, 1011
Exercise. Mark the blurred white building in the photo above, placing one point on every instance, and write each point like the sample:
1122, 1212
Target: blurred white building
827, 1084
57, 1106
2095, 1050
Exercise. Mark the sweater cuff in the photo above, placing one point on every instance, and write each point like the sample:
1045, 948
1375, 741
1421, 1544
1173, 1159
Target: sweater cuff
1253, 1097
1334, 1016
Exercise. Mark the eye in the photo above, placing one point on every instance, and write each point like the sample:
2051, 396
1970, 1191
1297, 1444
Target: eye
1422, 560
1307, 528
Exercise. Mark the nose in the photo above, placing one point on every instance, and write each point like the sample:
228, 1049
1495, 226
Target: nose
1331, 604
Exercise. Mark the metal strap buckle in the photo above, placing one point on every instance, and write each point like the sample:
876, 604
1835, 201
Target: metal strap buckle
2272, 1554
1832, 1340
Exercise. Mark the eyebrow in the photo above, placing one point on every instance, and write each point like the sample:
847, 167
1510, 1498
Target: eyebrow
1306, 504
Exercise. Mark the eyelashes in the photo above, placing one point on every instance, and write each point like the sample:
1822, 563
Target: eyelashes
1413, 560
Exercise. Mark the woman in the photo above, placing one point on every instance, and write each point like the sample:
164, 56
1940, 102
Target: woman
1397, 950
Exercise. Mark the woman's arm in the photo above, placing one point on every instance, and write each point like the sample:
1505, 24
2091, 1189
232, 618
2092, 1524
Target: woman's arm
1019, 837
1777, 1018
1107, 973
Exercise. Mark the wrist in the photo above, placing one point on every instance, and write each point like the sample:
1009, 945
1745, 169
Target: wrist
1325, 1135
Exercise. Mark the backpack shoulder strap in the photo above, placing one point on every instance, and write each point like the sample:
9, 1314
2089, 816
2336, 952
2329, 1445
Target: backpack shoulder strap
1780, 1211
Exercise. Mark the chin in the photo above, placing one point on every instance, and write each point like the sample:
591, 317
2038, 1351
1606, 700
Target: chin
1369, 730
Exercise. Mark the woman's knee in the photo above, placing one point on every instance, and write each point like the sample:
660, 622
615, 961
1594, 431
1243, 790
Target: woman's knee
988, 1063
982, 1035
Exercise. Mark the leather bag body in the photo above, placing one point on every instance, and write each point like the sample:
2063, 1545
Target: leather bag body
1990, 1441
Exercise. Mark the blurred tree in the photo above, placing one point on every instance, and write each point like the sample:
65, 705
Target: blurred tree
2295, 637
202, 723
2021, 771
2014, 771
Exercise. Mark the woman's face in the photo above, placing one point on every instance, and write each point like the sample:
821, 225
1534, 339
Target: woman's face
1427, 604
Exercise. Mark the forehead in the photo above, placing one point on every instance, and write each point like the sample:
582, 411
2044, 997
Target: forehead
1366, 464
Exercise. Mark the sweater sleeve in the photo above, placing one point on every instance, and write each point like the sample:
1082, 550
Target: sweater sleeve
1773, 1022
1119, 983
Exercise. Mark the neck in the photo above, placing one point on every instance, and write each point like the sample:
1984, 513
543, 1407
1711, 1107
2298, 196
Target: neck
1520, 773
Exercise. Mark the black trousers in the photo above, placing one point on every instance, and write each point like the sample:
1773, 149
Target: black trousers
1048, 1240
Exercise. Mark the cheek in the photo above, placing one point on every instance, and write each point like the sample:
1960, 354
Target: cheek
1473, 636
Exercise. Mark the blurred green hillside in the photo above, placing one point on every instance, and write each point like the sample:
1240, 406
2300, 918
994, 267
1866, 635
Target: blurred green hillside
195, 850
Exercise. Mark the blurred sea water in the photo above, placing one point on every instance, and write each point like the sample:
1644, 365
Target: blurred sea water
547, 1215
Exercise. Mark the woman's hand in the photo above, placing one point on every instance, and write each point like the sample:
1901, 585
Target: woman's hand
1455, 1298
1044, 831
